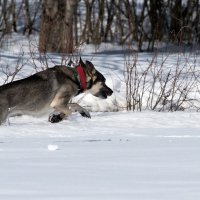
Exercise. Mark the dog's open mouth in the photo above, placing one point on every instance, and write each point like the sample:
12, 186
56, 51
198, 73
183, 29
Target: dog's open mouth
106, 93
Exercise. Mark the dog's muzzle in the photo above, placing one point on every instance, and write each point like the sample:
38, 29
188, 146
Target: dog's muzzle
104, 92
108, 91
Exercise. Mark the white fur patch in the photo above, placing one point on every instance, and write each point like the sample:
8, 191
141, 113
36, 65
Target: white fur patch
95, 88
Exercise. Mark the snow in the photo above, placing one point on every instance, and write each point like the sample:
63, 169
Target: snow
53, 147
121, 155
112, 156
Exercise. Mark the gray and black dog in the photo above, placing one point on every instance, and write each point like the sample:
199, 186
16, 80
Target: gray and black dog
51, 90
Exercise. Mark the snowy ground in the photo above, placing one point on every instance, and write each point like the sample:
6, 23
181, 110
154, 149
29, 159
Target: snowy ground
114, 155
111, 156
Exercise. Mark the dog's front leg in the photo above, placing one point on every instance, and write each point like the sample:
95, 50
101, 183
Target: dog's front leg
66, 111
74, 107
55, 118
60, 103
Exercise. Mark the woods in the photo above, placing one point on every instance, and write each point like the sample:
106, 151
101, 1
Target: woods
66, 24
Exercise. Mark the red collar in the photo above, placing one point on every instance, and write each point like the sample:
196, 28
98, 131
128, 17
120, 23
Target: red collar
82, 77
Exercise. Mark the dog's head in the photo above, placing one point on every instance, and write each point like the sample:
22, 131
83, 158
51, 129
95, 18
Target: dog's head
95, 81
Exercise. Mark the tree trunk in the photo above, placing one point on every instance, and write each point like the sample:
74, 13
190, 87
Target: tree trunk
87, 31
176, 19
110, 12
14, 18
28, 23
56, 33
5, 14
98, 31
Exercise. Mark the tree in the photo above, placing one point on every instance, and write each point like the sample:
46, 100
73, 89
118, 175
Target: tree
56, 32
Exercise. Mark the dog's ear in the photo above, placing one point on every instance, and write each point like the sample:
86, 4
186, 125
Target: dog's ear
90, 67
70, 63
81, 62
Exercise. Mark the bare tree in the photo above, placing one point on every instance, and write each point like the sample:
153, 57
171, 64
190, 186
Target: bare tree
87, 31
64, 24
5, 15
56, 32
14, 18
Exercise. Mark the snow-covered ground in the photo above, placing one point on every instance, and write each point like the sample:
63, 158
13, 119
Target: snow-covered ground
114, 155
119, 155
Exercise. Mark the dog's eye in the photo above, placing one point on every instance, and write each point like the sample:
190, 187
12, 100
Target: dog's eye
95, 80
89, 84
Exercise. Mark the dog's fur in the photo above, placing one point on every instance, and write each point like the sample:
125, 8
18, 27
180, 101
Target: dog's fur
51, 90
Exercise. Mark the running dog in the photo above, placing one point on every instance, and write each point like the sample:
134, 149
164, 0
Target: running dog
51, 90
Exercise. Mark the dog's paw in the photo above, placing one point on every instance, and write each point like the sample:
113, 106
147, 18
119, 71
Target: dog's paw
55, 118
85, 113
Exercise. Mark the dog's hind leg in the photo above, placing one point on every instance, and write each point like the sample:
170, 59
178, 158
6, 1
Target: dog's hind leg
3, 114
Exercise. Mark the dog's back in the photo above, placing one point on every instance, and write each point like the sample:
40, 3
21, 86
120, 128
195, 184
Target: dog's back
32, 89
28, 96
34, 94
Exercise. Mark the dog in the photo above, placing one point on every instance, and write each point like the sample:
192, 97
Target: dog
51, 90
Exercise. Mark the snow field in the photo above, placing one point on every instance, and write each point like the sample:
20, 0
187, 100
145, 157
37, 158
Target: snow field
139, 158
112, 156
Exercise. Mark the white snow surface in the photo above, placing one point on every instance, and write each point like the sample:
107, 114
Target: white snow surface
121, 155
112, 156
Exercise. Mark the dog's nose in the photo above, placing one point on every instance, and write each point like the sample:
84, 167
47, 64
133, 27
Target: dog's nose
109, 91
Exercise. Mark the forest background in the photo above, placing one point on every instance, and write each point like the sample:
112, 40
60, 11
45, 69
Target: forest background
64, 25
